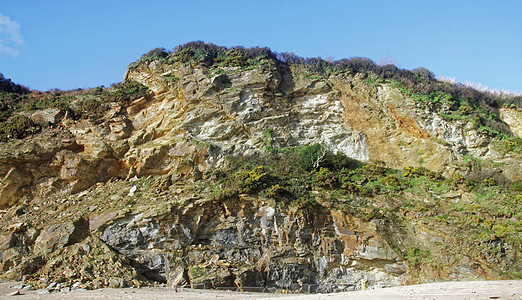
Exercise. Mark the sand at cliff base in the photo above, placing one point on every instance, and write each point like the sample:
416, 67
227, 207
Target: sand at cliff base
509, 289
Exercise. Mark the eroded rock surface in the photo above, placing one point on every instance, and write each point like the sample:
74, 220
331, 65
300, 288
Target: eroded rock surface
119, 201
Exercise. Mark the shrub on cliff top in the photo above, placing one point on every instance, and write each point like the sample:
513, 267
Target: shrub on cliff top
234, 57
420, 80
6, 85
156, 53
207, 53
423, 75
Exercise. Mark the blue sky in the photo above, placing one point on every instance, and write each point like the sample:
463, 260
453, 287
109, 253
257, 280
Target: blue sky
79, 44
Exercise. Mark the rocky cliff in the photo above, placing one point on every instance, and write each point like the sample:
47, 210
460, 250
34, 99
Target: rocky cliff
258, 173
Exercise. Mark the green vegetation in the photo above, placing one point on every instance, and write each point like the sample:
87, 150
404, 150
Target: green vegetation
196, 271
251, 181
416, 256
15, 107
268, 133
311, 156
172, 78
199, 52
274, 191
485, 213
17, 127
373, 79
467, 105
323, 178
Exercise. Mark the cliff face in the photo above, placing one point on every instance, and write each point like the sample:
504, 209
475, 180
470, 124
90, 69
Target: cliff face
131, 198
365, 122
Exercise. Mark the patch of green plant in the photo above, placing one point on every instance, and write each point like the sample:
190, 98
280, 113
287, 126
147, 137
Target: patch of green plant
154, 54
196, 271
373, 214
221, 194
489, 182
426, 186
412, 172
304, 202
324, 178
500, 230
92, 109
351, 188
374, 169
339, 161
254, 63
432, 97
126, 91
311, 155
416, 256
201, 144
267, 140
459, 181
172, 78
274, 191
442, 218
505, 144
373, 79
234, 57
252, 181
190, 55
95, 105
314, 77
372, 188
17, 127
391, 180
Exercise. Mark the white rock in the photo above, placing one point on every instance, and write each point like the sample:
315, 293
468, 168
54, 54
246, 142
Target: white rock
133, 190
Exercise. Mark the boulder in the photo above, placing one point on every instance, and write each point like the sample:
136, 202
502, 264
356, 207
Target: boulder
59, 235
49, 116
10, 187
177, 277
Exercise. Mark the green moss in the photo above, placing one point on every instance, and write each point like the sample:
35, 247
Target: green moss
172, 78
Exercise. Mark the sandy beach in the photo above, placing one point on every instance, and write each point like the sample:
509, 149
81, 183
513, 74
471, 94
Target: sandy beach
509, 289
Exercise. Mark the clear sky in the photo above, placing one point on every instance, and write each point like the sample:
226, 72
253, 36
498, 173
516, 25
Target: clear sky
79, 44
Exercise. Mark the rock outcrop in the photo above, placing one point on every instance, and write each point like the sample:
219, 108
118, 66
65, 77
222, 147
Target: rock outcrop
125, 201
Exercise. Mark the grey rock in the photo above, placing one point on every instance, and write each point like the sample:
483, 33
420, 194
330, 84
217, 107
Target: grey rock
177, 277
47, 116
116, 282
